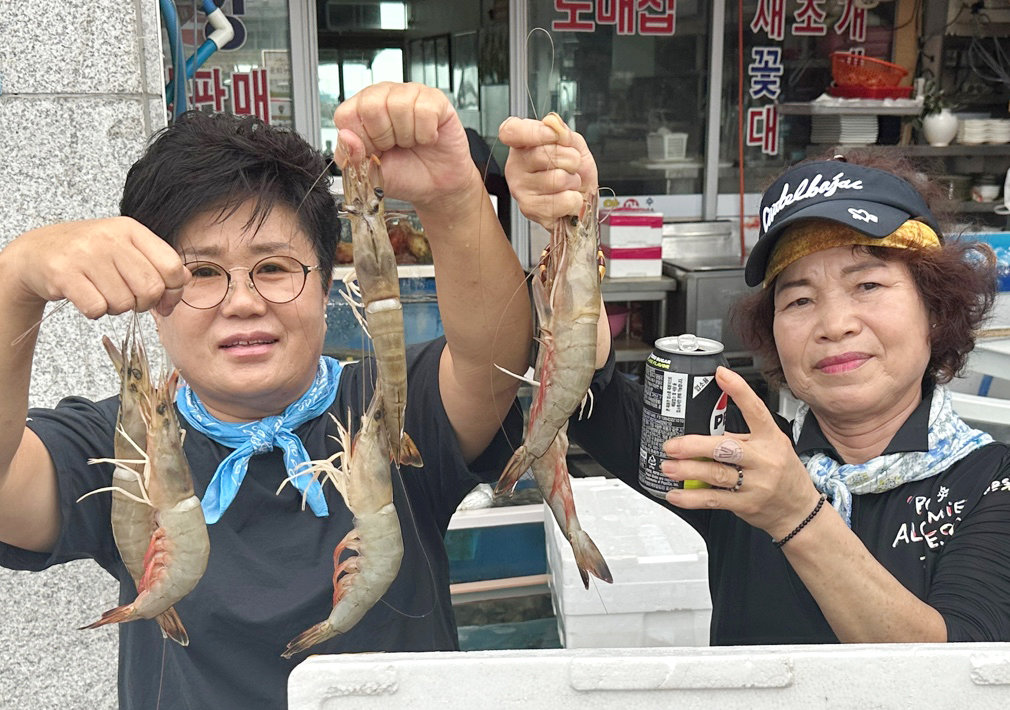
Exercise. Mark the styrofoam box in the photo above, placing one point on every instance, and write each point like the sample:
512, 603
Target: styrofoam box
659, 564
666, 146
824, 676
623, 228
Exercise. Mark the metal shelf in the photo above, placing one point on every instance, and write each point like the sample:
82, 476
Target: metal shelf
655, 288
627, 349
864, 107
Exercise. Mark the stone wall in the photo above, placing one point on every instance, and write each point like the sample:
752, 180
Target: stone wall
80, 93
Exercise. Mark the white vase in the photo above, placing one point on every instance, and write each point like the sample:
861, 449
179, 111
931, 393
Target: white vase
939, 129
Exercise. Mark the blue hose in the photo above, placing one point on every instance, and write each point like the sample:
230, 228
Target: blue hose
175, 89
984, 385
202, 53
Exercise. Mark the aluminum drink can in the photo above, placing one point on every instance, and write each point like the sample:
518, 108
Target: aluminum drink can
680, 397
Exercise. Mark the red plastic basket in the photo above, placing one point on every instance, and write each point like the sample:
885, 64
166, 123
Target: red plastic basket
859, 70
879, 92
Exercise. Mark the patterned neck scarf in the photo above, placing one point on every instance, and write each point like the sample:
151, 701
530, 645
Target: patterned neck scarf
258, 437
949, 440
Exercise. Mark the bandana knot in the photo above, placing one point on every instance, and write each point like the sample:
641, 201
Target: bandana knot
249, 439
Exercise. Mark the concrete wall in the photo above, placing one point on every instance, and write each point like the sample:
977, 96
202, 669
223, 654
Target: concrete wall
80, 93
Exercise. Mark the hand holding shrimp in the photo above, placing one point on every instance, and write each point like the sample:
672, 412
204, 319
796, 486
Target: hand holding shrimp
549, 168
776, 492
102, 266
417, 135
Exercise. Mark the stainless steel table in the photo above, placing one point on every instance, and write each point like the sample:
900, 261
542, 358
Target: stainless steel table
655, 288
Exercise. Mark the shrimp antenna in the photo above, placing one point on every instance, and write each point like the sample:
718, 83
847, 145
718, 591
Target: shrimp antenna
550, 39
20, 338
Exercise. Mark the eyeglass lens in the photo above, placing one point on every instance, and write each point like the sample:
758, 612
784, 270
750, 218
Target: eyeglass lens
277, 279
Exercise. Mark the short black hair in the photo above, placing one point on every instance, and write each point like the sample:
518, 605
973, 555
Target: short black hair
204, 162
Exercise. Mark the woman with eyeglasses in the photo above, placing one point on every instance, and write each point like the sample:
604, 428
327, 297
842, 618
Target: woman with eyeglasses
228, 235
877, 515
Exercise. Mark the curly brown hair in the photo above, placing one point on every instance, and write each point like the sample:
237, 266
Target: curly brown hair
956, 282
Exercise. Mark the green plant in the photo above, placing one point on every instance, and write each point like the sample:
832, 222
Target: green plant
933, 98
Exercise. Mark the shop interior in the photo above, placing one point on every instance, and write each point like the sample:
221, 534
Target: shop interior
689, 124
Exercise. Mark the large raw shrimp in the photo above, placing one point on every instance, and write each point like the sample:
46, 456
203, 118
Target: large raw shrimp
364, 479
378, 288
178, 544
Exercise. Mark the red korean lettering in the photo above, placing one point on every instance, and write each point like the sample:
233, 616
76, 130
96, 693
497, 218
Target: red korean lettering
770, 17
763, 128
657, 17
854, 19
209, 89
809, 19
575, 19
251, 94
617, 12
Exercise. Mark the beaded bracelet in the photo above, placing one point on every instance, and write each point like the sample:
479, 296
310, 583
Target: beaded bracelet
787, 538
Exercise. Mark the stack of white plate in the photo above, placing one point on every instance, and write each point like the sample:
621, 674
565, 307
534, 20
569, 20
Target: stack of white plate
844, 128
976, 131
998, 130
973, 131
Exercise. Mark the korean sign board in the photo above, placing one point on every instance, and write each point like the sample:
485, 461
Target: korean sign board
764, 71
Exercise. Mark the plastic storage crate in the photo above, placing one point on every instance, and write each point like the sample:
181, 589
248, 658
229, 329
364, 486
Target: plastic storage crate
659, 563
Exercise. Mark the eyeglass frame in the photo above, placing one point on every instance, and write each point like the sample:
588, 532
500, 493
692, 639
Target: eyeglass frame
250, 281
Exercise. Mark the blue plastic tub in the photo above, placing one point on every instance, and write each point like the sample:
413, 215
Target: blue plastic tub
1000, 242
496, 552
421, 319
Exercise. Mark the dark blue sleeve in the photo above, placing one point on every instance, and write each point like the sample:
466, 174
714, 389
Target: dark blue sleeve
446, 477
74, 432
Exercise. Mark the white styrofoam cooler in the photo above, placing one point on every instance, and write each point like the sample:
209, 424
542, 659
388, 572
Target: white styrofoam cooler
659, 564
822, 677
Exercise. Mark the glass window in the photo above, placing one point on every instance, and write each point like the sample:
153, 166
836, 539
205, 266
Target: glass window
787, 60
251, 75
345, 72
631, 77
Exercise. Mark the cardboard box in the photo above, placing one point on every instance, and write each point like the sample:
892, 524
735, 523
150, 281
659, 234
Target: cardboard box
659, 563
625, 228
633, 262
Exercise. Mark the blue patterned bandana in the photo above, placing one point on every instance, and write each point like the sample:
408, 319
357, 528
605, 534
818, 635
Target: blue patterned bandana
949, 440
250, 438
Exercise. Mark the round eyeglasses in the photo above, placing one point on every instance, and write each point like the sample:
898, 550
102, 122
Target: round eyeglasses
277, 279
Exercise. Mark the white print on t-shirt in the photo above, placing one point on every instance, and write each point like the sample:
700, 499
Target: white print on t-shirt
998, 485
933, 525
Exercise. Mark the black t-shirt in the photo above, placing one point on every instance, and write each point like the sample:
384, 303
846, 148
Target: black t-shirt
270, 574
945, 538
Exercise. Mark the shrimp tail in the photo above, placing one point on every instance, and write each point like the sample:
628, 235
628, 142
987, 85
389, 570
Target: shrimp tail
126, 612
171, 626
409, 455
588, 558
514, 469
309, 638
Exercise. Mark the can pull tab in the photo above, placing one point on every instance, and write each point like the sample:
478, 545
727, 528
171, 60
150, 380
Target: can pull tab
687, 342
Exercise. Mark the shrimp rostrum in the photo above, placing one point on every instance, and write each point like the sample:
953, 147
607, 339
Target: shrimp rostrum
364, 480
178, 544
378, 288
